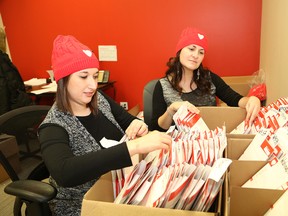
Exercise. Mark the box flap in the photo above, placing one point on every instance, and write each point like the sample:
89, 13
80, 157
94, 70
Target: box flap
236, 147
242, 136
215, 117
252, 201
241, 88
242, 171
102, 190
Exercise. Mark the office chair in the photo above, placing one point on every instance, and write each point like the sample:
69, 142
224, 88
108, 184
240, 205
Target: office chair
148, 101
23, 123
31, 191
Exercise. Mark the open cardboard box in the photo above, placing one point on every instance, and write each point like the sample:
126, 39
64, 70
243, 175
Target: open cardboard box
245, 201
241, 88
248, 201
99, 201
240, 84
238, 79
237, 145
215, 117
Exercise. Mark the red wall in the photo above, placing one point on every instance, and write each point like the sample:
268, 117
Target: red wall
145, 33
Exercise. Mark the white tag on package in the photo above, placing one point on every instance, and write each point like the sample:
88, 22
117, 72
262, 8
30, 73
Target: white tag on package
106, 143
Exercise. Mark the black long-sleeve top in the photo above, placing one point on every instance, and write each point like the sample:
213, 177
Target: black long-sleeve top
223, 92
69, 170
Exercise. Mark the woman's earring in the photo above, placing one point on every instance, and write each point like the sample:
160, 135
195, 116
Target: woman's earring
198, 74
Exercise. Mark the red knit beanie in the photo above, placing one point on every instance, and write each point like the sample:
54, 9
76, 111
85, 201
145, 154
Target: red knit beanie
192, 36
70, 56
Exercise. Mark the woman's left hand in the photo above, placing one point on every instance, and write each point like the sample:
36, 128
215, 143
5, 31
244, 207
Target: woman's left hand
252, 107
136, 128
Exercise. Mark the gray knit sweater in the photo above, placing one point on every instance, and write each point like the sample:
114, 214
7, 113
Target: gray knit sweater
69, 199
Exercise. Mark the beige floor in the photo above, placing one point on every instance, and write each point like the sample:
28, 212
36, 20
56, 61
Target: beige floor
7, 201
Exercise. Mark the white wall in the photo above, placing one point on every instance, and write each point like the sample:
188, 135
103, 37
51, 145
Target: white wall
274, 48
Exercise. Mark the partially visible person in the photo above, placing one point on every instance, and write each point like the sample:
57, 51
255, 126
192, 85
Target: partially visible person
188, 82
12, 89
71, 134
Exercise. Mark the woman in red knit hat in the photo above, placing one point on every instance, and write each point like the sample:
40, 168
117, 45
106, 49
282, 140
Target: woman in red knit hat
187, 81
71, 134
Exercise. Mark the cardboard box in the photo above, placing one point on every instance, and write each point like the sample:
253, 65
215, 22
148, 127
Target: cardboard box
248, 201
240, 84
244, 201
215, 117
9, 147
237, 79
99, 201
134, 110
237, 146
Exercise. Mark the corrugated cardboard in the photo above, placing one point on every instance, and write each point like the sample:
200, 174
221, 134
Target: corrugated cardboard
249, 201
10, 149
240, 84
237, 146
245, 201
215, 117
134, 110
237, 79
99, 201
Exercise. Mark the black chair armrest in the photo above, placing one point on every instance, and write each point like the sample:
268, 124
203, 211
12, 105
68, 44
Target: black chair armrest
31, 190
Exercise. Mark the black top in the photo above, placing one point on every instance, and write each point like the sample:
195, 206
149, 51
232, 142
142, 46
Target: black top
223, 92
92, 165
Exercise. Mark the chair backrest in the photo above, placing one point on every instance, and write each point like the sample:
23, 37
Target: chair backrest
16, 121
19, 121
148, 100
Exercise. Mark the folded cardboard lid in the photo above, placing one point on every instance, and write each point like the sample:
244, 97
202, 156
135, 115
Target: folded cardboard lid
102, 190
241, 88
247, 201
236, 147
242, 171
252, 201
215, 117
240, 136
238, 79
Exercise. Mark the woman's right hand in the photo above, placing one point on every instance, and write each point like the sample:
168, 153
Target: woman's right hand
152, 141
166, 119
172, 109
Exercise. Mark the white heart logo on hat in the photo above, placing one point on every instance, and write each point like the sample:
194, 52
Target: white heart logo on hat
88, 52
200, 36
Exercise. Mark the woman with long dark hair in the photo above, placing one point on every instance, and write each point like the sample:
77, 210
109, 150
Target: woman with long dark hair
187, 81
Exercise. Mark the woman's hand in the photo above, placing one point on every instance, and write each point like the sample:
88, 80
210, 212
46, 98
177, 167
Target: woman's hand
152, 141
136, 128
252, 108
166, 119
172, 109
